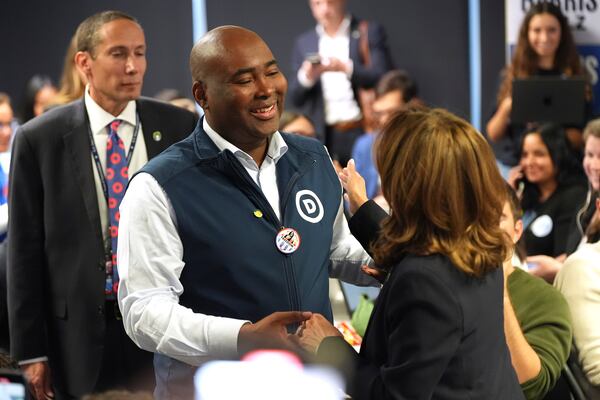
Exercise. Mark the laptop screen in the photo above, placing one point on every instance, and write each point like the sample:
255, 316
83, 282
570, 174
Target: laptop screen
548, 99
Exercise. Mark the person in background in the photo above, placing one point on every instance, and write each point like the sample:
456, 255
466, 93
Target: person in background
537, 321
72, 82
294, 122
6, 136
69, 168
330, 69
579, 281
591, 167
395, 91
545, 47
39, 94
173, 96
551, 180
437, 328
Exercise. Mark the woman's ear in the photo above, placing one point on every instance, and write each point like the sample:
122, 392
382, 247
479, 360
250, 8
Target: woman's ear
518, 230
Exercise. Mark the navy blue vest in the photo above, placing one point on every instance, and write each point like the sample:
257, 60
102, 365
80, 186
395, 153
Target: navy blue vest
232, 265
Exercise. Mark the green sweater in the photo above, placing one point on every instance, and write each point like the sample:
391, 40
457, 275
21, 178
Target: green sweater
544, 317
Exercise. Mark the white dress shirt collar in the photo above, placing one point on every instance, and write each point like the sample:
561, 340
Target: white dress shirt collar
343, 29
100, 118
277, 146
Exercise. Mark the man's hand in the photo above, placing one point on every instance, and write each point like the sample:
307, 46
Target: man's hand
333, 64
312, 71
312, 332
38, 376
270, 332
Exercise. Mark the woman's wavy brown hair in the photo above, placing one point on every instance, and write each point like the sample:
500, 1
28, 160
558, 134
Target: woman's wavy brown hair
444, 190
525, 60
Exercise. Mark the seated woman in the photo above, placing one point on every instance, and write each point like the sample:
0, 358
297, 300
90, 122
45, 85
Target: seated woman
545, 47
553, 186
579, 282
437, 328
547, 265
591, 167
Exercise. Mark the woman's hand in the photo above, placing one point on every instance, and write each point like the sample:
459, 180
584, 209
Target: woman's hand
312, 332
545, 267
514, 176
354, 183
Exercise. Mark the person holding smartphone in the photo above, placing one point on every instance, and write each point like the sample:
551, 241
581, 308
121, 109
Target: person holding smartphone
330, 69
553, 185
545, 47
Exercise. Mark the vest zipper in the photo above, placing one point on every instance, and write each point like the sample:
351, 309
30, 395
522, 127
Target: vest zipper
259, 198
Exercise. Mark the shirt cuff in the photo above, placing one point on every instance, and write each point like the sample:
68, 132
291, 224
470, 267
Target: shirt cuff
304, 80
349, 68
33, 360
224, 336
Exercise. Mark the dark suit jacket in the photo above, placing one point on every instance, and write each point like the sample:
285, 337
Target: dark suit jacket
434, 333
310, 100
55, 264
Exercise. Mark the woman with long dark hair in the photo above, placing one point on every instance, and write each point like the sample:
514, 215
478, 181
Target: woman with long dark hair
553, 186
545, 47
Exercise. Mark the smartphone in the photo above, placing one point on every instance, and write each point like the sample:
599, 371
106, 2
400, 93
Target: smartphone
313, 58
12, 385
532, 265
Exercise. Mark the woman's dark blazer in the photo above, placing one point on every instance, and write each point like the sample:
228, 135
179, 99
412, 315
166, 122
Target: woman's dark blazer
435, 332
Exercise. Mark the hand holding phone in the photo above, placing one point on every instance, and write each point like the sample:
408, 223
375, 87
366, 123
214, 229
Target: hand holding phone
313, 58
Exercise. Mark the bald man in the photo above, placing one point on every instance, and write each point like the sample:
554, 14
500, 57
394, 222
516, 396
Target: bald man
231, 225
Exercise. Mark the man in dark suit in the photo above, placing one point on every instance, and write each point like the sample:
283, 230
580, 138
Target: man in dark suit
330, 68
66, 329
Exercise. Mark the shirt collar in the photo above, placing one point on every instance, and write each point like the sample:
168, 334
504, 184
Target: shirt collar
277, 146
344, 28
100, 118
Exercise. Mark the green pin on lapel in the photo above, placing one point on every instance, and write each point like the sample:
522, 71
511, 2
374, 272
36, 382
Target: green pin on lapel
157, 136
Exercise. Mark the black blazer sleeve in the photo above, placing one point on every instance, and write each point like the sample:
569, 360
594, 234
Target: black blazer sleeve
366, 223
423, 325
26, 252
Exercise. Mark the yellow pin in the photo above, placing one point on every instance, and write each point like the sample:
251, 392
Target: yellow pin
258, 213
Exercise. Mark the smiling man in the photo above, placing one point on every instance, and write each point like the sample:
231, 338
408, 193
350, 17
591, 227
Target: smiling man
228, 236
68, 170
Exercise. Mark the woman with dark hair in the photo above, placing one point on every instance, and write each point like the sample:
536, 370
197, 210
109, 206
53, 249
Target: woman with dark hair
545, 47
553, 185
437, 328
578, 231
39, 94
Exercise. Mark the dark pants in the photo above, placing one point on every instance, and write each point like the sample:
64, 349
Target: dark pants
340, 143
124, 365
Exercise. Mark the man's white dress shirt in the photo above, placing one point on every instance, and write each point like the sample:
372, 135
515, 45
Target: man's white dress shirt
151, 261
